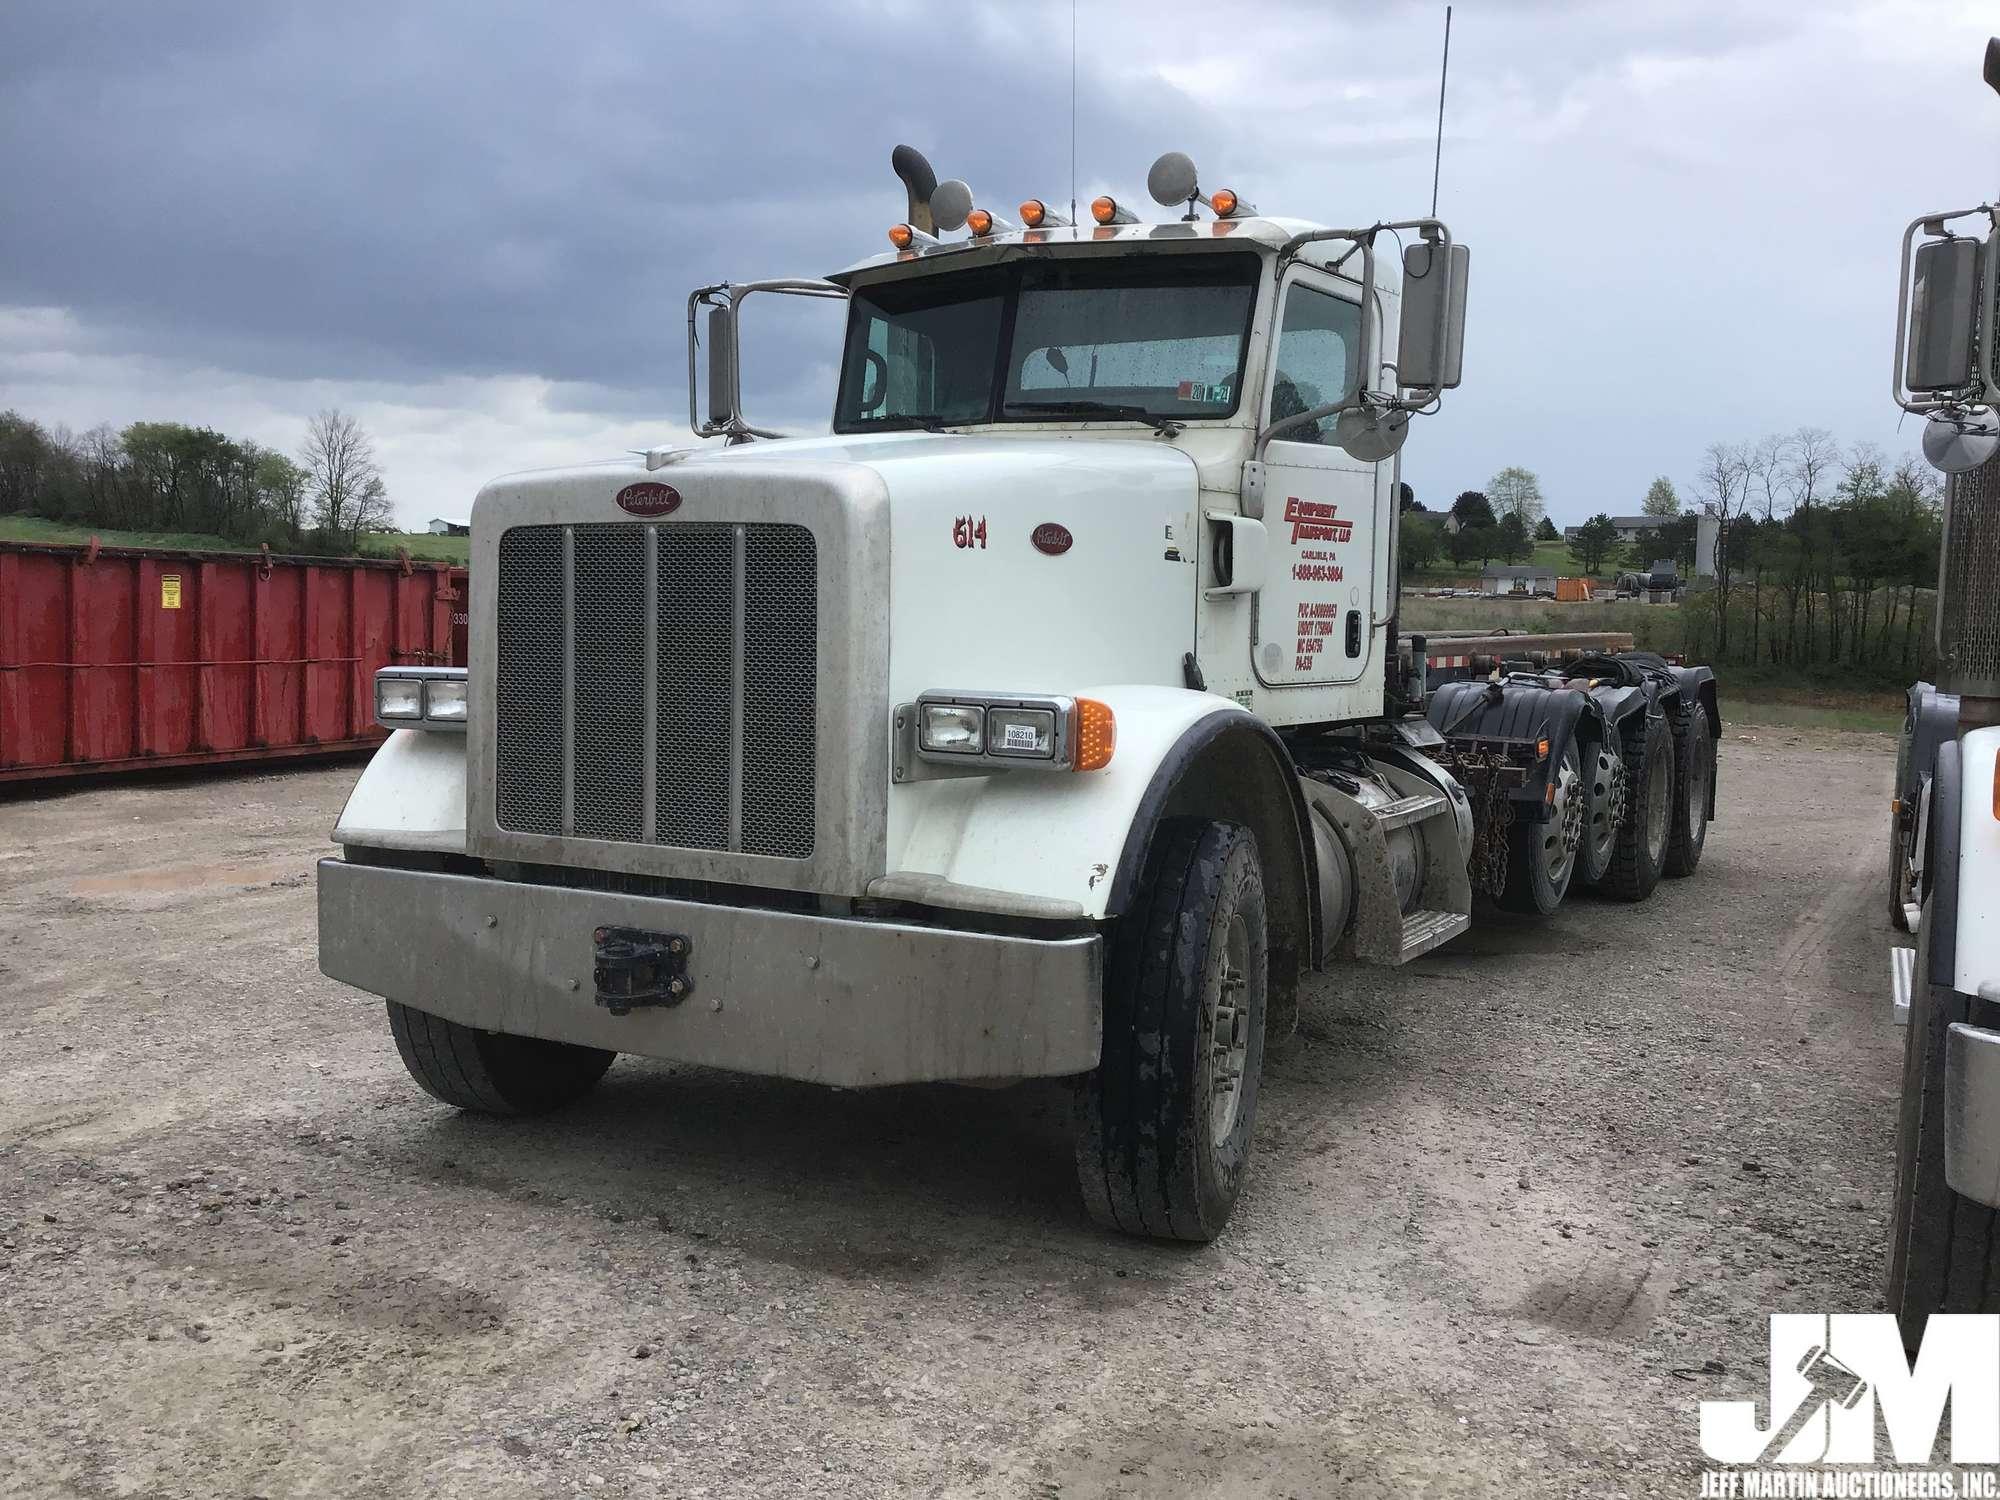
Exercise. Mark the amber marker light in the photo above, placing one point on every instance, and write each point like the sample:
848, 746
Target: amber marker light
1095, 735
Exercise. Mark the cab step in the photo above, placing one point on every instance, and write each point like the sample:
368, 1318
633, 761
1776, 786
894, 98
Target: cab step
1425, 930
1413, 809
1902, 978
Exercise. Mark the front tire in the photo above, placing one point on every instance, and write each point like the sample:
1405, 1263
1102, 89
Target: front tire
1165, 1122
1641, 852
490, 1072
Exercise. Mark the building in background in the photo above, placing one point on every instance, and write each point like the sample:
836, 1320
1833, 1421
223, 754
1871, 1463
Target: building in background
1517, 578
1630, 528
441, 527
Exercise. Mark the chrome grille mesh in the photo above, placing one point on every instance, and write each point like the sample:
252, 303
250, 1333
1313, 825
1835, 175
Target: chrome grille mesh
659, 684
696, 635
781, 606
609, 682
528, 757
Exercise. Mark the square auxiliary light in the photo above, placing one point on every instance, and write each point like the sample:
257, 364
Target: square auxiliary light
1029, 732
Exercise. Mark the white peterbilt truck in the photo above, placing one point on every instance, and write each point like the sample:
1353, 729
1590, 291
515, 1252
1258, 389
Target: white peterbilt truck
1047, 718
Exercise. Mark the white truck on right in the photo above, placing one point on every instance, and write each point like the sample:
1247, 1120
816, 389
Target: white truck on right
1945, 830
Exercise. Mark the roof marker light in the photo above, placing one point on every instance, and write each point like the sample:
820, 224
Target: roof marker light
903, 237
1037, 215
983, 222
1106, 211
1228, 206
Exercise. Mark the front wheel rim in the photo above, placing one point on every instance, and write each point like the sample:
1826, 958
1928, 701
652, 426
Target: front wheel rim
1229, 1032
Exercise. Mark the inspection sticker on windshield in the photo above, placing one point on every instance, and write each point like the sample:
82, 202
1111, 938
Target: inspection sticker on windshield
1212, 393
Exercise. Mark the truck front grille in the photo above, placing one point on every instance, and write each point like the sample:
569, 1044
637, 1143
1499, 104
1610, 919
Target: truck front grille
659, 685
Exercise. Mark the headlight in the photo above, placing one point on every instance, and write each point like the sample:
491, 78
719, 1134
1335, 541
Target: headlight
955, 728
444, 699
399, 698
420, 698
976, 734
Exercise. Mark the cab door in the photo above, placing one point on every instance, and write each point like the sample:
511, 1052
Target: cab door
1321, 507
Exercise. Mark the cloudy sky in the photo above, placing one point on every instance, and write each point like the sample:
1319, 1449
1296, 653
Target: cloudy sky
475, 225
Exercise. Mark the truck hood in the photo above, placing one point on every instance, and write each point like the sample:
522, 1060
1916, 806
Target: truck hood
1032, 564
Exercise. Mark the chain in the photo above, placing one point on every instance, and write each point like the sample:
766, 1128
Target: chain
1494, 815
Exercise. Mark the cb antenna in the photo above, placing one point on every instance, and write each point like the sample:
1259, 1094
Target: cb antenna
1444, 72
1072, 111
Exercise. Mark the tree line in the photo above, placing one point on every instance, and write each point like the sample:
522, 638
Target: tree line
1826, 557
167, 476
1505, 521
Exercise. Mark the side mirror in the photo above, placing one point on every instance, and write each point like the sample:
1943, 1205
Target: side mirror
1944, 315
1430, 344
721, 368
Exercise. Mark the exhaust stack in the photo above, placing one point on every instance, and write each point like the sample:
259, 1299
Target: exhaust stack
919, 181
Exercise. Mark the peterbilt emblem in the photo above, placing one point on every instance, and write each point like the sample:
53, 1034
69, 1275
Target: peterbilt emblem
1052, 538
649, 499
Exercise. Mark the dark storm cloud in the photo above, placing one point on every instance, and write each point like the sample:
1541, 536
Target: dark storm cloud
392, 191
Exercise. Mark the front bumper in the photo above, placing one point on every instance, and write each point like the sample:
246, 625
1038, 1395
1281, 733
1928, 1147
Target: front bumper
825, 999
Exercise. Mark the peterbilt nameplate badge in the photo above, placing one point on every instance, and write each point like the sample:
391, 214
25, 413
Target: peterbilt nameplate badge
649, 498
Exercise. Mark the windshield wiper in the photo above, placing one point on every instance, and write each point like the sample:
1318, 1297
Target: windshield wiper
900, 423
1167, 426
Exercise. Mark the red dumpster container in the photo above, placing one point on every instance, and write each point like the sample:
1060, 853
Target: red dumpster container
116, 658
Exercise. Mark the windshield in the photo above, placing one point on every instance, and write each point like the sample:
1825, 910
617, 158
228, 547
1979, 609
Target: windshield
1127, 338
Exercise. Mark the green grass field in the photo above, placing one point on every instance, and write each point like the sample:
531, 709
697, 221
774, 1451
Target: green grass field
421, 544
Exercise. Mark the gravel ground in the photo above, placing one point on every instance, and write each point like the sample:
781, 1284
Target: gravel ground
1515, 1209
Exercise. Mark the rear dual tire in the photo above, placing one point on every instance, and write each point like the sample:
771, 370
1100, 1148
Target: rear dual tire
1639, 856
1694, 779
1542, 857
1164, 1123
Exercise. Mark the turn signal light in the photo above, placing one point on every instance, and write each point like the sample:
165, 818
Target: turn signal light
1996, 789
979, 221
1096, 734
902, 236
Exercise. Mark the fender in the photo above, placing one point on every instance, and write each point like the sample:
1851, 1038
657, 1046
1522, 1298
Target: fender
1526, 712
411, 795
1976, 964
1072, 847
1698, 686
